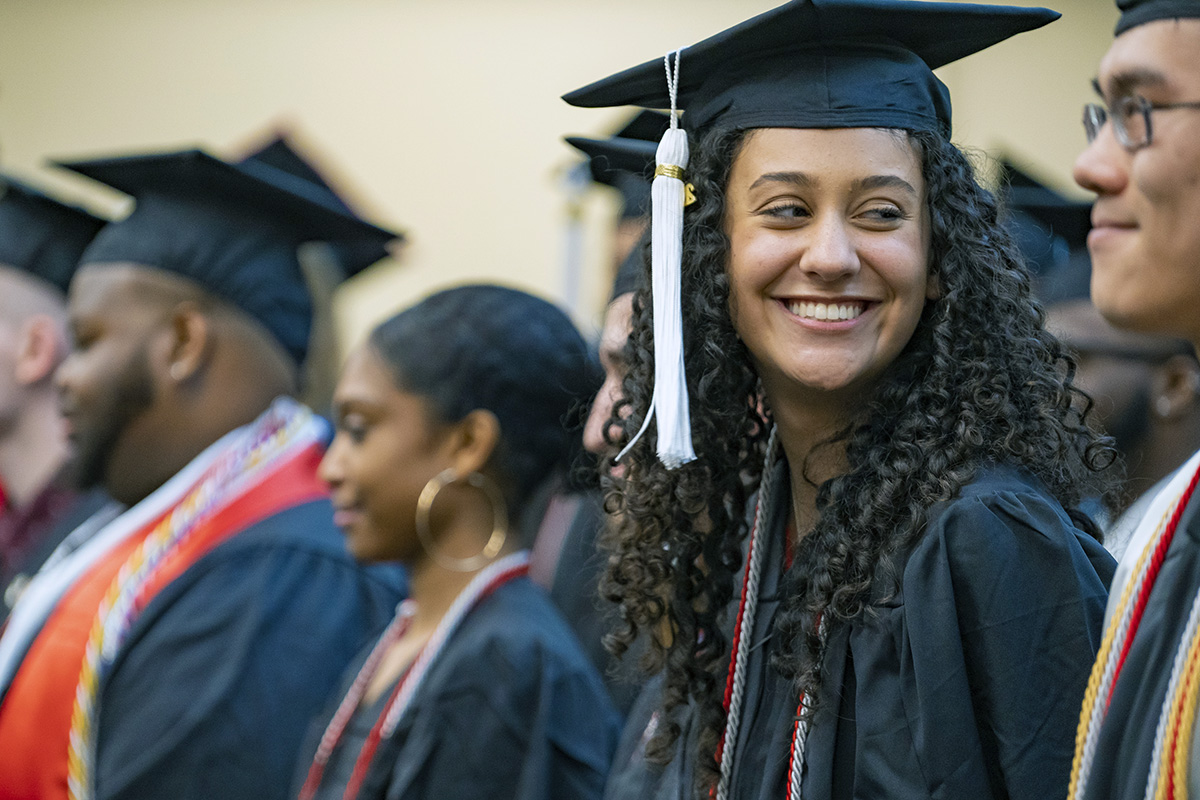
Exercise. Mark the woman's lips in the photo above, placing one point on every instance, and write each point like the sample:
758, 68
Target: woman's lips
346, 517
827, 314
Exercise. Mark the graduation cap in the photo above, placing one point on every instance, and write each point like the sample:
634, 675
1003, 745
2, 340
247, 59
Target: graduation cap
233, 228
1047, 226
822, 64
40, 235
1063, 216
625, 160
805, 64
1139, 12
353, 256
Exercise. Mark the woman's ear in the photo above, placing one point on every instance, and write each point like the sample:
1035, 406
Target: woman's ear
933, 287
474, 440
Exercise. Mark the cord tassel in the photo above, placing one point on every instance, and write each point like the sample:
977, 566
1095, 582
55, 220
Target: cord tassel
668, 195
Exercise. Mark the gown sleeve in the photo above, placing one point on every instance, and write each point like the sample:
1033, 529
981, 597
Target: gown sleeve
213, 692
1003, 609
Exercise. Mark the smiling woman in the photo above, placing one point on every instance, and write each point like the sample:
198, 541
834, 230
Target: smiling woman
888, 446
447, 420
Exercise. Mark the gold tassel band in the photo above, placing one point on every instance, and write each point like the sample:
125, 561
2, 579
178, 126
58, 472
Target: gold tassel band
670, 170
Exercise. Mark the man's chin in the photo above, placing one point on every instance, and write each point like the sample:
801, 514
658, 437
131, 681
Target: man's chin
84, 470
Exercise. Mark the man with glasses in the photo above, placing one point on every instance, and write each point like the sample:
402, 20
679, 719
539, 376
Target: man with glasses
1136, 736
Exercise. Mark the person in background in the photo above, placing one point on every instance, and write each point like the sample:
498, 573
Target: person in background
1146, 388
565, 557
448, 419
40, 243
178, 650
856, 345
1137, 724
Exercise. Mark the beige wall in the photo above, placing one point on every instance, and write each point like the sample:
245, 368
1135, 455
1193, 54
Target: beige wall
441, 118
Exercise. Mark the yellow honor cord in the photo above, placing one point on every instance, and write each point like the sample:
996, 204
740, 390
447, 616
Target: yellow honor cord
1179, 729
1091, 696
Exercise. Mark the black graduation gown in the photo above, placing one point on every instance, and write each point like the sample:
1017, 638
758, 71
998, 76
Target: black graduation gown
511, 708
212, 693
632, 775
576, 592
968, 683
1126, 741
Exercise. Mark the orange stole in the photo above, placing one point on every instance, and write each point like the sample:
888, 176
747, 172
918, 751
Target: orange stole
35, 718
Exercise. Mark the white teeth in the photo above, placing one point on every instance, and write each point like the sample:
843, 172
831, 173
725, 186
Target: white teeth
827, 311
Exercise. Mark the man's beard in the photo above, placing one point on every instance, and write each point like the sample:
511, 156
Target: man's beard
131, 393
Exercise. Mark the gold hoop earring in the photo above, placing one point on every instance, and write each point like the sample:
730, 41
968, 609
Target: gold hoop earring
496, 540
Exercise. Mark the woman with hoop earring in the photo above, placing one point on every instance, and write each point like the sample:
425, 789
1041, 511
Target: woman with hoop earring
448, 419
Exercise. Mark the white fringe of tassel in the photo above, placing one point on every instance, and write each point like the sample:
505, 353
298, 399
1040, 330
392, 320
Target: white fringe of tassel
669, 402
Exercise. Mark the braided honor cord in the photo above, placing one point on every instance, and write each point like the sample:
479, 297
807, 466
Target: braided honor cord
735, 683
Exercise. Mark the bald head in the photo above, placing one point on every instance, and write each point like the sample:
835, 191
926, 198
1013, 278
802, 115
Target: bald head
23, 296
33, 342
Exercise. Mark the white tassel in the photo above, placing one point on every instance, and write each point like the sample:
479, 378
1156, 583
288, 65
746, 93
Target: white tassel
667, 195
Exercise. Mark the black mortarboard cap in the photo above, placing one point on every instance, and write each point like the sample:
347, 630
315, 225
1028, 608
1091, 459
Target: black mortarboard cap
1139, 12
41, 235
822, 64
625, 161
608, 158
234, 228
624, 164
1061, 215
353, 256
645, 125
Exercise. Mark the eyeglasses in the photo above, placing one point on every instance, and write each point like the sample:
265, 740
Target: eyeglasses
1130, 117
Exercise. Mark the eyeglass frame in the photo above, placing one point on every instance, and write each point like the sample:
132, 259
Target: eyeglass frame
1095, 115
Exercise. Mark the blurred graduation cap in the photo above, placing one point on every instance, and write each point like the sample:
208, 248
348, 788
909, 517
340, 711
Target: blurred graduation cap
1139, 12
822, 64
625, 160
804, 64
40, 235
1063, 216
353, 256
1048, 226
234, 228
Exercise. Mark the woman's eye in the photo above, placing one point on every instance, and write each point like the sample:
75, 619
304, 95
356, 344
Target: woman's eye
786, 211
355, 429
886, 213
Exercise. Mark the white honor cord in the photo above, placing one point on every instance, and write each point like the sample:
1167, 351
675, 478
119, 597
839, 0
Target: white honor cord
746, 623
465, 601
800, 740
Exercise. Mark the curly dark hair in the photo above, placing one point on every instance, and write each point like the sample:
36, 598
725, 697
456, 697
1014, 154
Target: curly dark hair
960, 395
499, 349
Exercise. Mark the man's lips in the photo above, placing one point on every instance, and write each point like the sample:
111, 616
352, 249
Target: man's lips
1107, 229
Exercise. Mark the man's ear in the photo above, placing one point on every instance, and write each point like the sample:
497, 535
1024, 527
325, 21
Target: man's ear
40, 348
474, 440
191, 342
1175, 387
